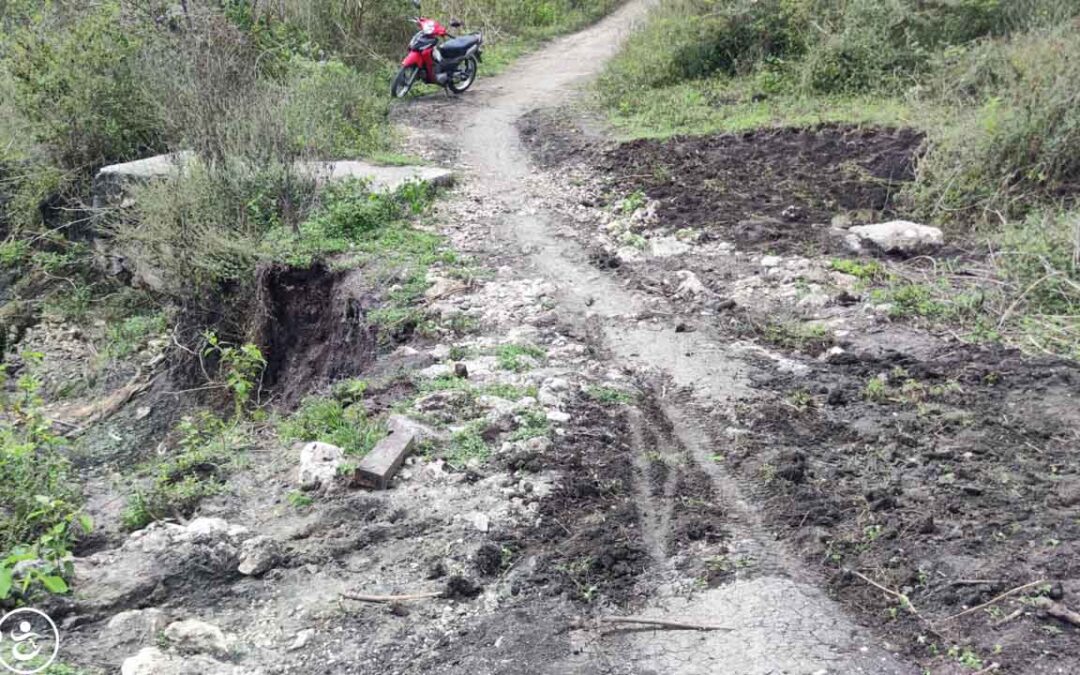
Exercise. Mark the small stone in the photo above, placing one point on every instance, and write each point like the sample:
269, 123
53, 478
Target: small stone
302, 639
192, 636
258, 555
558, 416
461, 371
480, 521
319, 464
689, 285
771, 261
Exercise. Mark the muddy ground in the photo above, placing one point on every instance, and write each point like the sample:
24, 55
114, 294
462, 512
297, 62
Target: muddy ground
940, 470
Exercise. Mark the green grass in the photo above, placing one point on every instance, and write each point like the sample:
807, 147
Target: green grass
328, 420
534, 423
208, 451
796, 335
517, 357
129, 335
713, 107
868, 270
465, 447
610, 395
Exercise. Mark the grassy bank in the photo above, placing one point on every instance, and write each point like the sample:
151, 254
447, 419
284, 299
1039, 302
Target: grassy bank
993, 84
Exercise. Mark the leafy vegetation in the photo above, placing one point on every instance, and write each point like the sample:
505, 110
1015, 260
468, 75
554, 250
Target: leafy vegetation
333, 421
41, 517
207, 450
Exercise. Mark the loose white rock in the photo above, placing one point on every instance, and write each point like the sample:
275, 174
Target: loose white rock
319, 464
258, 555
689, 285
898, 236
192, 636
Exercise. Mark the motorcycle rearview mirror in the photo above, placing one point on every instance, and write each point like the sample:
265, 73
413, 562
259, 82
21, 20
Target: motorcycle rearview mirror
456, 23
416, 3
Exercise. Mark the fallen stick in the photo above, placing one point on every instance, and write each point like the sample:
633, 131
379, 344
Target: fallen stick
999, 598
390, 598
1058, 611
989, 669
661, 623
904, 600
1006, 619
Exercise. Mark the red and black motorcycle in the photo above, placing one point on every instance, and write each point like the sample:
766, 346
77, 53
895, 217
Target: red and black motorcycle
452, 64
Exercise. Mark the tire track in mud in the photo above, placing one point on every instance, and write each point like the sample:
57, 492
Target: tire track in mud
781, 623
656, 509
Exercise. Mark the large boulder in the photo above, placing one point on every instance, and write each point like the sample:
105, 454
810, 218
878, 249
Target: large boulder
898, 236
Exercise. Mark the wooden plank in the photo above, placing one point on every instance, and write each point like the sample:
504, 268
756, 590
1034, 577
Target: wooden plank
382, 463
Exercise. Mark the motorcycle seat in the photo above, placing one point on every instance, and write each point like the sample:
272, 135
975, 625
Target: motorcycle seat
452, 49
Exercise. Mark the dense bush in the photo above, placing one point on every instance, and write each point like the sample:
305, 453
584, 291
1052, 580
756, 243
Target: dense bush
1015, 140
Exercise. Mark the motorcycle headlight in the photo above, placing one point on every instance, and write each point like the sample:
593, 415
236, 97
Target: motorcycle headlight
428, 27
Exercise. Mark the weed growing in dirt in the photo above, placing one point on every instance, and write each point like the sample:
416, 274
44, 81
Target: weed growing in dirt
466, 447
532, 423
519, 358
632, 202
579, 572
609, 395
208, 450
869, 270
300, 500
129, 335
801, 400
806, 337
41, 518
241, 368
329, 420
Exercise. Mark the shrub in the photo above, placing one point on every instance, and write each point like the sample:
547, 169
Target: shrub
1017, 141
78, 88
40, 517
1041, 256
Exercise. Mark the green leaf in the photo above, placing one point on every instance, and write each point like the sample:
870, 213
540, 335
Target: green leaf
86, 522
55, 584
5, 582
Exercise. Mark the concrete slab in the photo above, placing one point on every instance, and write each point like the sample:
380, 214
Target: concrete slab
378, 468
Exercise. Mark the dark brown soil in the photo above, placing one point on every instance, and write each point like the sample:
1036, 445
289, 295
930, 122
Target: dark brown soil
954, 481
590, 543
961, 481
313, 328
774, 189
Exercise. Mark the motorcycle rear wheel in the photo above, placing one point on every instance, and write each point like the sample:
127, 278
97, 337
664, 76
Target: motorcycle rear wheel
403, 81
463, 78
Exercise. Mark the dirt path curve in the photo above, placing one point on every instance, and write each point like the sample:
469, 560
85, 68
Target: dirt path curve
781, 622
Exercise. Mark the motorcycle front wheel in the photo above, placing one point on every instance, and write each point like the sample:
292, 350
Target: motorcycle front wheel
403, 81
463, 78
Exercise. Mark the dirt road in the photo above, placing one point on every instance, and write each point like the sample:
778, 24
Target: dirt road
780, 622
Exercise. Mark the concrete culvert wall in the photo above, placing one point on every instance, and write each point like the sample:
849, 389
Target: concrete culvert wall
312, 328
